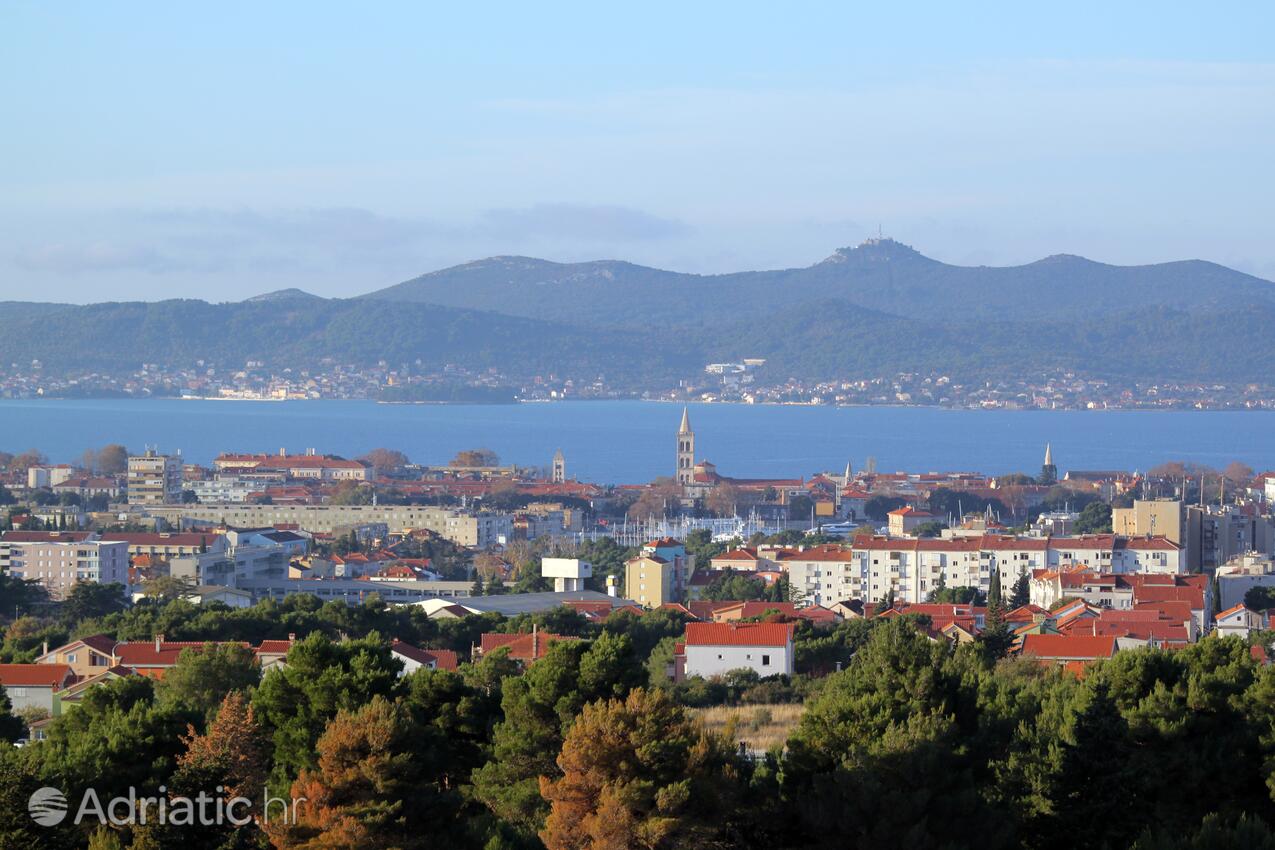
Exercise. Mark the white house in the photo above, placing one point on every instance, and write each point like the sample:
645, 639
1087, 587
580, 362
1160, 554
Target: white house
414, 658
1239, 575
712, 649
1239, 621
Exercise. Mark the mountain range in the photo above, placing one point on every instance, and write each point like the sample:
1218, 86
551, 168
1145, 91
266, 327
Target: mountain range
870, 310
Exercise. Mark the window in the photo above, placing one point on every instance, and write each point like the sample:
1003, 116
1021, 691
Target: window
765, 661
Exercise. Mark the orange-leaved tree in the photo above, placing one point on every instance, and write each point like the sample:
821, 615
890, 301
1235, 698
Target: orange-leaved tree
640, 773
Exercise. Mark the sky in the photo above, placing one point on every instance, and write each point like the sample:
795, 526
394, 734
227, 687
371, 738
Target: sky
218, 151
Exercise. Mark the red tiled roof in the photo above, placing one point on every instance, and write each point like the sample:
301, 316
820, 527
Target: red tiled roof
293, 461
274, 647
1069, 646
908, 510
35, 675
522, 647
1234, 609
143, 653
736, 555
818, 614
738, 634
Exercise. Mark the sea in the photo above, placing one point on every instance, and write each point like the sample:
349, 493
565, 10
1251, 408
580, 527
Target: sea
633, 441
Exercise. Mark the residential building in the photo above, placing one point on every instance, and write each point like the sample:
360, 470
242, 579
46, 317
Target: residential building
154, 479
412, 658
35, 686
712, 649
61, 559
1238, 621
523, 648
822, 575
48, 476
309, 465
905, 520
1216, 534
1150, 517
86, 657
165, 545
465, 528
1065, 650
908, 569
648, 581
1238, 576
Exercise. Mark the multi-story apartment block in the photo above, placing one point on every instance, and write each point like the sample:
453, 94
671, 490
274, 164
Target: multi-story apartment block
648, 580
1216, 534
476, 530
308, 465
61, 559
909, 569
154, 479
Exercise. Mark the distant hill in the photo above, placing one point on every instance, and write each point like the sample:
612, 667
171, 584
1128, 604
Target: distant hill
865, 312
292, 294
302, 333
883, 275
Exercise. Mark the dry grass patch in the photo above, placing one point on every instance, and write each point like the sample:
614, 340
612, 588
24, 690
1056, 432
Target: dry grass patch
759, 727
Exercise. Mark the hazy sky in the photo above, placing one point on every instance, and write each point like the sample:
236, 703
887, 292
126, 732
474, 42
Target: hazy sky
154, 150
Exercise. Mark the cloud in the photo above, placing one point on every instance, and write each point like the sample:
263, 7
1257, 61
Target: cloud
230, 253
579, 222
94, 256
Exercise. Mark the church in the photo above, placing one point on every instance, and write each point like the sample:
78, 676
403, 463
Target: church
698, 478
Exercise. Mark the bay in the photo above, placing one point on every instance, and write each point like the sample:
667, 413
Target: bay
633, 441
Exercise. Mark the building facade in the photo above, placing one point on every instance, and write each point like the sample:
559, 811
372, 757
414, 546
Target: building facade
154, 479
713, 649
59, 560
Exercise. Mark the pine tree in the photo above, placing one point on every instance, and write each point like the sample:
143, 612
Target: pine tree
230, 753
995, 610
364, 792
1022, 591
639, 773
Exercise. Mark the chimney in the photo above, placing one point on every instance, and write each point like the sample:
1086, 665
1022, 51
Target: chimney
45, 651
283, 452
159, 639
292, 637
535, 642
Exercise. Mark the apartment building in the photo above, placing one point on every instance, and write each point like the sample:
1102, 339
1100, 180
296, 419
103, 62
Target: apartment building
476, 530
1216, 534
309, 465
154, 479
61, 559
1159, 517
909, 569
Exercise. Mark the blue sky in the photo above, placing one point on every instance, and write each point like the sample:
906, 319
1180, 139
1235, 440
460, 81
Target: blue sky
158, 150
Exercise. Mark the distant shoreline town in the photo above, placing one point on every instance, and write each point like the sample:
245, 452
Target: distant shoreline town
719, 383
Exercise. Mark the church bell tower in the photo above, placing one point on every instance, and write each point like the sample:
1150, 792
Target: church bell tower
685, 450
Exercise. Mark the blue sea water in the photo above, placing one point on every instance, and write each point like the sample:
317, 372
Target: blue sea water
627, 441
